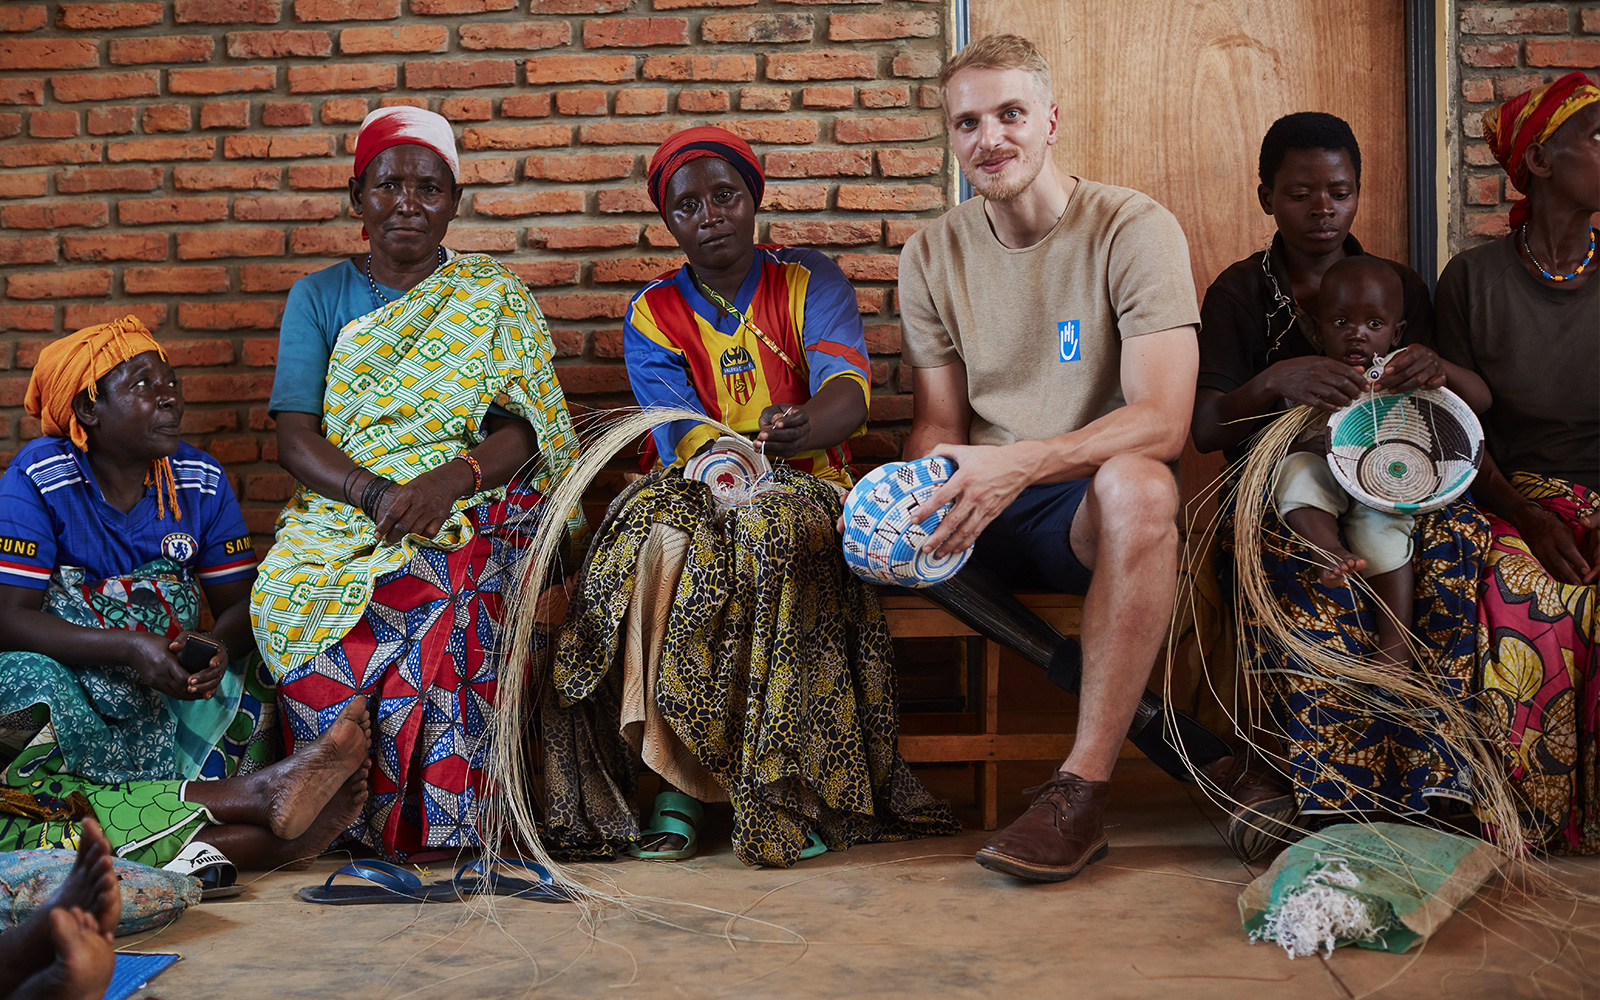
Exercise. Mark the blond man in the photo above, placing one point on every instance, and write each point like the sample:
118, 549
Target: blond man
1051, 324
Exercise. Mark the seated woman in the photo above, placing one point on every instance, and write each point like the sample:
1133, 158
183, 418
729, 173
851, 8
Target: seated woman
111, 527
1523, 312
754, 667
412, 386
1260, 352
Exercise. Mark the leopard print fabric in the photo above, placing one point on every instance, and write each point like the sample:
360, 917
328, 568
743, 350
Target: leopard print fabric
776, 672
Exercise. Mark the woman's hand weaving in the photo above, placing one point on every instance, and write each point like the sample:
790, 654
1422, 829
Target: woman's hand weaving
785, 430
1416, 367
1327, 384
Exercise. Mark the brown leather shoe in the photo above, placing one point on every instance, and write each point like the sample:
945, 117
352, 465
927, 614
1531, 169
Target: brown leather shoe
1261, 803
1058, 835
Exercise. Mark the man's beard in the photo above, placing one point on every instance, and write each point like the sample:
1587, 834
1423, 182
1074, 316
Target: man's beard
1024, 170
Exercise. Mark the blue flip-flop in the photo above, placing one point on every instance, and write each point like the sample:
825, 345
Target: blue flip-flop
485, 880
385, 883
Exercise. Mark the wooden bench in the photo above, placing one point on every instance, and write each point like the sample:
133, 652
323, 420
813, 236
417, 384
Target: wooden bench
974, 736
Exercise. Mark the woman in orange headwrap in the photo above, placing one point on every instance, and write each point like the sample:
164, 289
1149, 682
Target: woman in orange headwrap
1523, 312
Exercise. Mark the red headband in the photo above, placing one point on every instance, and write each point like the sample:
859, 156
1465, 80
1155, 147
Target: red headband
703, 140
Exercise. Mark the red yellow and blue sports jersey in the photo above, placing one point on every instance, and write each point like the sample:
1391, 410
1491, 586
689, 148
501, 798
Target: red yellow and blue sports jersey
52, 514
683, 350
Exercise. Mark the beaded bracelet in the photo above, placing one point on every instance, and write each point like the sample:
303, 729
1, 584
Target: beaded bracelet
477, 471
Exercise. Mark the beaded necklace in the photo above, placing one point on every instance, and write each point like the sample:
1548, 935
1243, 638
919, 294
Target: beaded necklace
378, 301
744, 321
1557, 277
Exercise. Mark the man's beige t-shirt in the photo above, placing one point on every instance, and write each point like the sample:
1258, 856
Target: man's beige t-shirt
1041, 328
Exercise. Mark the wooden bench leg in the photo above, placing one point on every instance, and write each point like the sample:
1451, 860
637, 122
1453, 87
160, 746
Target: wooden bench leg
987, 696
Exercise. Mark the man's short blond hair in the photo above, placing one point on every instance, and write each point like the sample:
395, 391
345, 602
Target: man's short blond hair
1001, 52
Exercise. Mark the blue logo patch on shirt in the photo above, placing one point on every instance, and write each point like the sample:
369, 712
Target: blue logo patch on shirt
1068, 331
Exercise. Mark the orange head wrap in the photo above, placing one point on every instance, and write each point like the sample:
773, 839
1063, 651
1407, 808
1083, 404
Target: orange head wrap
74, 364
1529, 118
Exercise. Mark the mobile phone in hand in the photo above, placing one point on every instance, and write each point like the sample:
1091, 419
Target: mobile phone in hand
196, 654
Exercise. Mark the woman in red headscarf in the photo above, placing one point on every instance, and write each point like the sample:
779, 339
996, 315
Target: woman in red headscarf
1523, 312
751, 666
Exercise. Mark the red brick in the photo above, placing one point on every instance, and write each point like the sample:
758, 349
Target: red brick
231, 178
546, 273
890, 197
25, 90
227, 11
576, 6
169, 118
1509, 85
170, 49
488, 171
202, 148
16, 17
342, 77
54, 215
1478, 90
702, 102
229, 388
585, 69
660, 236
567, 343
403, 38
326, 241
285, 114
198, 421
696, 67
796, 197
438, 8
174, 280
612, 201
834, 64
1493, 225
1513, 20
343, 110
467, 109
515, 35
674, 4
261, 420
238, 314
260, 352
928, 96
628, 133
583, 379
910, 162
53, 124
833, 97
632, 270
87, 180
28, 250
641, 101
232, 80
757, 29
921, 63
162, 211
813, 233
620, 234
15, 185
43, 153
211, 244
276, 147
1496, 54
59, 284
525, 106
869, 301
233, 450
780, 131
635, 32
225, 114
897, 231
579, 167
881, 27
118, 246
764, 99
515, 136
319, 176
1562, 52
117, 119
896, 95
1591, 20
105, 86
1483, 190
273, 207
482, 239
585, 305
11, 124
271, 278
512, 204
872, 267
346, 10
1478, 156
27, 317
886, 407
458, 74
906, 128
580, 102
49, 53
279, 44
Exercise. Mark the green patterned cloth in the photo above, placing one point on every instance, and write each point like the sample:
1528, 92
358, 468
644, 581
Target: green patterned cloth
146, 821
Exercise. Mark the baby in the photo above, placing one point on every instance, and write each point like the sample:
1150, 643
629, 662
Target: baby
1361, 302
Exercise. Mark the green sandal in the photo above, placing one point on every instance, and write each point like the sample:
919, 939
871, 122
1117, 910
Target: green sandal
814, 848
677, 814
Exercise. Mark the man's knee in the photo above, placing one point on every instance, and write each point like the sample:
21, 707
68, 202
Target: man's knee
1136, 495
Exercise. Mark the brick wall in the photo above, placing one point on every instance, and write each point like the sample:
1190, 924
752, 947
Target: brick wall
185, 161
1502, 50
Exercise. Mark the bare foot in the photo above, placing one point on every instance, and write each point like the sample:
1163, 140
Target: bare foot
335, 818
91, 887
1337, 565
80, 960
302, 784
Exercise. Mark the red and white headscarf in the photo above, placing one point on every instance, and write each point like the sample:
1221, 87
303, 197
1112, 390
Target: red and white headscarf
399, 126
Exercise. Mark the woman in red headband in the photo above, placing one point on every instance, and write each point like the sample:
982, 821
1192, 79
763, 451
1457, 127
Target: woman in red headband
755, 669
1524, 312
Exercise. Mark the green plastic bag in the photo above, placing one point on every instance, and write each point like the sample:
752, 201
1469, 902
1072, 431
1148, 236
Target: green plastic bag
1386, 886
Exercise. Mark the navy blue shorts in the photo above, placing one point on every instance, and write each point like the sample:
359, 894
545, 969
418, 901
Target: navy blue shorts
1029, 546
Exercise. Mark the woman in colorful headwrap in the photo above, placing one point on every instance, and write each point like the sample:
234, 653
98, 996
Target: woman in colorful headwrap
412, 387
1342, 752
1523, 312
751, 665
110, 528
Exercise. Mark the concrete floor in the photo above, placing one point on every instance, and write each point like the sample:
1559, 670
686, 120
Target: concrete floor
1157, 918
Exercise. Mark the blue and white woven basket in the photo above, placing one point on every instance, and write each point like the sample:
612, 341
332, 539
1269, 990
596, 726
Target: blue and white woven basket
881, 543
